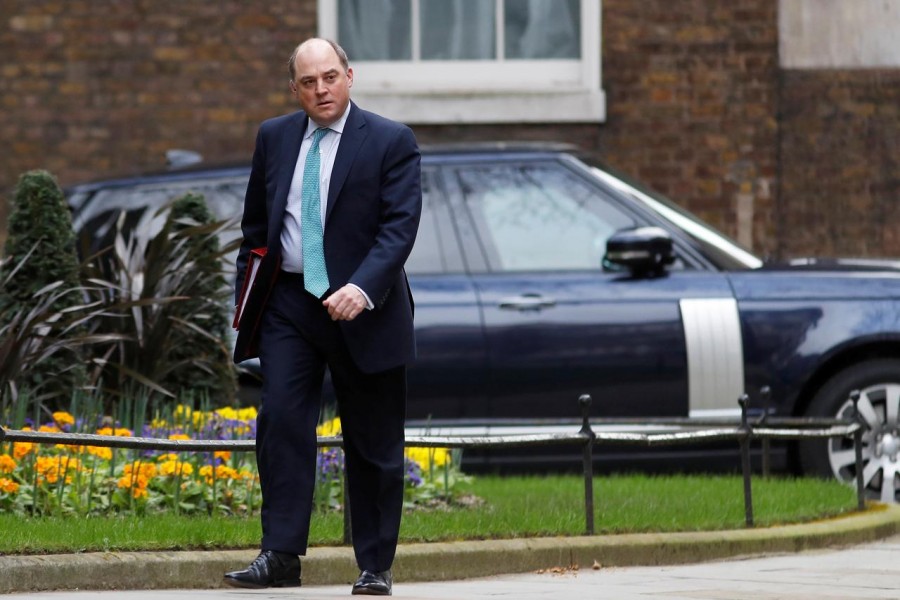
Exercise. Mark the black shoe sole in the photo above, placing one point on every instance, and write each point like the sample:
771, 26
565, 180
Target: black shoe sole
249, 585
361, 591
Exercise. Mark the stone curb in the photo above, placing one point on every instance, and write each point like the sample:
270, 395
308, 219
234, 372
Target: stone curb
442, 561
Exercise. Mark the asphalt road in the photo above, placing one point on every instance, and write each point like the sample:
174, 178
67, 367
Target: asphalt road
860, 572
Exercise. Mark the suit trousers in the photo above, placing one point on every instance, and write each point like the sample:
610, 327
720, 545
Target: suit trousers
298, 340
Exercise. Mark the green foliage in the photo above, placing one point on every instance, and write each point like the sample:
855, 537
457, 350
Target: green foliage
40, 251
206, 367
155, 287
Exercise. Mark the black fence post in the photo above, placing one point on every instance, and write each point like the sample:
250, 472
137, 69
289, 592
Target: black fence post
2, 434
745, 461
765, 395
857, 448
584, 401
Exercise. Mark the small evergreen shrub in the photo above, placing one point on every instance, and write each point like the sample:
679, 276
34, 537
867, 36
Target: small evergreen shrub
40, 251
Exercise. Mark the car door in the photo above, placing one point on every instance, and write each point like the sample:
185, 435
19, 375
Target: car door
557, 324
448, 379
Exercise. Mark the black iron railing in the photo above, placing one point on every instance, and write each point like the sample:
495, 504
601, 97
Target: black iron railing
688, 431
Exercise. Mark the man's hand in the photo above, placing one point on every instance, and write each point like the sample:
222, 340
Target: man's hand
345, 304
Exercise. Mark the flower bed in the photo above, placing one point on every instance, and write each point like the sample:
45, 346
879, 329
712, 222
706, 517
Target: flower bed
84, 480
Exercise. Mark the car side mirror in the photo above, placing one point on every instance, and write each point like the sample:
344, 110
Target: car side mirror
642, 250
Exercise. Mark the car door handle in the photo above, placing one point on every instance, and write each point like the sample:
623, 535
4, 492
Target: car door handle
527, 302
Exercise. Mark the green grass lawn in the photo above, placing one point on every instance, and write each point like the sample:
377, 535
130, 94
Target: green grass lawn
511, 507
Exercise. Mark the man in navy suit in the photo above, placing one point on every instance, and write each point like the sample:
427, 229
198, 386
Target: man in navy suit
361, 328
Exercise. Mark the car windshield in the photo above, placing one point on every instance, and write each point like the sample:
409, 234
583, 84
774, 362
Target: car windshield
722, 250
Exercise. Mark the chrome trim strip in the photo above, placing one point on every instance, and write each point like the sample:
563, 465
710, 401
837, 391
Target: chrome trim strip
715, 355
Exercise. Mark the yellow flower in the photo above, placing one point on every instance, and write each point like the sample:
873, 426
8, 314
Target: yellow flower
223, 455
8, 486
427, 458
7, 464
247, 414
167, 457
175, 467
62, 419
179, 436
100, 452
329, 428
49, 429
183, 414
227, 413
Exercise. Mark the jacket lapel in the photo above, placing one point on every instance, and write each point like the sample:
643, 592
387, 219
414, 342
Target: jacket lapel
351, 140
290, 150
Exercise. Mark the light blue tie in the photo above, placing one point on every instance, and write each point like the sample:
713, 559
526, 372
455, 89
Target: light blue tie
315, 276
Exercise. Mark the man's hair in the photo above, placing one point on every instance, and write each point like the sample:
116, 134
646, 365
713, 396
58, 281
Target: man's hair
342, 56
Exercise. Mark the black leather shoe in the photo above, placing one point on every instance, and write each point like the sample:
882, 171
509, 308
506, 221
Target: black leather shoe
372, 583
269, 569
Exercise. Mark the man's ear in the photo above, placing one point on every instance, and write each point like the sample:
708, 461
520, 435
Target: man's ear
350, 76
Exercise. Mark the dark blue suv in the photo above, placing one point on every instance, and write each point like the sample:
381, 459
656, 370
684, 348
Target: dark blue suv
538, 278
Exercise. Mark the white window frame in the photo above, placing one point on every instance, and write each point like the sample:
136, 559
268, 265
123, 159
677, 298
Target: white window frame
482, 91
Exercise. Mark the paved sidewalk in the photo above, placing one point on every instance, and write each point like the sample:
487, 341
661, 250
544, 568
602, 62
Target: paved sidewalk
629, 567
868, 571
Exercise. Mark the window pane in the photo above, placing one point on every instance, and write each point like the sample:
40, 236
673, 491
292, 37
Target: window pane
375, 29
458, 29
540, 217
427, 255
538, 29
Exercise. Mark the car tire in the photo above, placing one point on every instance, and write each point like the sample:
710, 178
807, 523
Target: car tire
878, 382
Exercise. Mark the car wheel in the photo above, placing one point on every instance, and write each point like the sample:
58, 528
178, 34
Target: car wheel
878, 382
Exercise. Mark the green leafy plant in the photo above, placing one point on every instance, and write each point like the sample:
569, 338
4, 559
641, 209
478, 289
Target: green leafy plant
206, 368
155, 290
34, 336
40, 278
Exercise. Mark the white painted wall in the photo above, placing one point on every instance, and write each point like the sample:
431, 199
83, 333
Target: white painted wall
822, 34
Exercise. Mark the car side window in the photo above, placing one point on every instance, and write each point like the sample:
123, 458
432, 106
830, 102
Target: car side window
436, 249
141, 203
539, 217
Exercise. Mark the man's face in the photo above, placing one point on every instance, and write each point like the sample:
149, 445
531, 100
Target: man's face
320, 83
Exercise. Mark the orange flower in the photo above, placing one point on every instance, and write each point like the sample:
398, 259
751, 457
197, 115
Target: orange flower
63, 419
136, 476
7, 464
224, 455
221, 472
118, 431
51, 468
8, 486
22, 449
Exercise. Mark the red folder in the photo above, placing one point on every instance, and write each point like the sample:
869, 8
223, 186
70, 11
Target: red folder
256, 256
262, 271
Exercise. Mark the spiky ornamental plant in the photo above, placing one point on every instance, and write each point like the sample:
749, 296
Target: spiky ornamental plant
40, 251
206, 366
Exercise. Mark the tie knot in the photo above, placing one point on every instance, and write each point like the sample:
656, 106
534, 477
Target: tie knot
318, 134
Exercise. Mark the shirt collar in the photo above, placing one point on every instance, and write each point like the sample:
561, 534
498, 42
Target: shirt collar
337, 126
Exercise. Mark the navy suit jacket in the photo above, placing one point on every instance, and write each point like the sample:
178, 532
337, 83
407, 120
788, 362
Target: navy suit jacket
371, 220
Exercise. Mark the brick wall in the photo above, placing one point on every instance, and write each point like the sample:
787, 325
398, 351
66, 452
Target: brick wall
840, 158
90, 88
